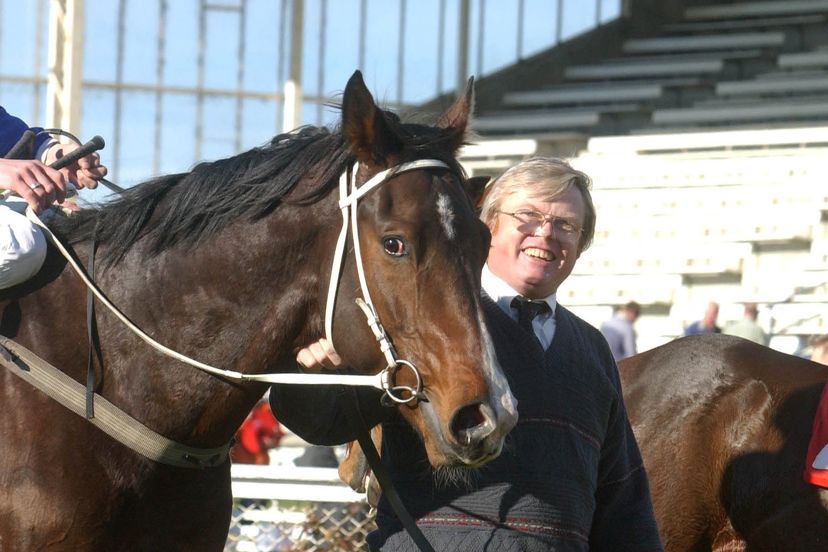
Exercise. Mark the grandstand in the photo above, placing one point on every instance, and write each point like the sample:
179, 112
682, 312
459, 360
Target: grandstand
704, 124
705, 128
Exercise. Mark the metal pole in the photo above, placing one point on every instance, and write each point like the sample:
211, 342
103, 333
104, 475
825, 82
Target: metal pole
363, 17
199, 114
280, 64
161, 32
240, 75
65, 64
320, 64
463, 46
559, 23
293, 86
401, 54
481, 31
441, 46
520, 11
119, 79
36, 56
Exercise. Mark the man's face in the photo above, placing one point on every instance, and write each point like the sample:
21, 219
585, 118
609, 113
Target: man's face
535, 261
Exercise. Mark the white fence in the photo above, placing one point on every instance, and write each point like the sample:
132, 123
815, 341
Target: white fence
284, 508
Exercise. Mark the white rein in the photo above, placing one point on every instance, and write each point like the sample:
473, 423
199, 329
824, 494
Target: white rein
349, 198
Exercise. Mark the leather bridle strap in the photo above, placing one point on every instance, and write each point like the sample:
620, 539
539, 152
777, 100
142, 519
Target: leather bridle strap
380, 381
384, 380
363, 434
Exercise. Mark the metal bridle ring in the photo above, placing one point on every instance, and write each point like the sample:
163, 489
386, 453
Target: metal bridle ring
394, 392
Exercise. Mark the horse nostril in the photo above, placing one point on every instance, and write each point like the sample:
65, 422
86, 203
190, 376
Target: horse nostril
472, 423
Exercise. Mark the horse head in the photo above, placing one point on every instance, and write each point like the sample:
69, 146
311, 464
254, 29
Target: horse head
423, 249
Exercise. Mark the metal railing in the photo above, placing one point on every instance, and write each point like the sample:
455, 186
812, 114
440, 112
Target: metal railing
171, 83
287, 509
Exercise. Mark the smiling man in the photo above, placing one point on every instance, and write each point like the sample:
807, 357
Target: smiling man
570, 477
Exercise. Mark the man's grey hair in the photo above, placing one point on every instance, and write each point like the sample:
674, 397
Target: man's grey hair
544, 178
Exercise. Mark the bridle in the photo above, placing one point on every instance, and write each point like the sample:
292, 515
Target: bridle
349, 195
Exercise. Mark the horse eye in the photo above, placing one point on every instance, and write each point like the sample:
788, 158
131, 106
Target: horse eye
394, 247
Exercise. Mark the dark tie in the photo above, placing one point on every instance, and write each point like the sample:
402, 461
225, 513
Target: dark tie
527, 311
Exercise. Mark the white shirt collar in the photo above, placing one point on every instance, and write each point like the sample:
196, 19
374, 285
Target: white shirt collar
502, 293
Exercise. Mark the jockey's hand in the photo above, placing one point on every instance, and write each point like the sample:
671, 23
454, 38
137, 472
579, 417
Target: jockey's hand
38, 184
318, 355
83, 173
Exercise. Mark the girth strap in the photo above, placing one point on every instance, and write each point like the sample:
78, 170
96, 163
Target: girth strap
108, 418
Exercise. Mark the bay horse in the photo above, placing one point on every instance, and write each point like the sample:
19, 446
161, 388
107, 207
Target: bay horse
229, 263
723, 425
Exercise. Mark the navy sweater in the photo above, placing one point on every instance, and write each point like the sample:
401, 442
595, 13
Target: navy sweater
570, 477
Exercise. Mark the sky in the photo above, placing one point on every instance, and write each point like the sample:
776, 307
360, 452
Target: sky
331, 44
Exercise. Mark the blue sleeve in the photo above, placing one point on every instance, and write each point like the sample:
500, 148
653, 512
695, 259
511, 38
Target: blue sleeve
12, 128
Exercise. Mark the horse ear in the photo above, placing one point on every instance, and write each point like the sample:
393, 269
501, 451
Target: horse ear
364, 126
476, 189
457, 117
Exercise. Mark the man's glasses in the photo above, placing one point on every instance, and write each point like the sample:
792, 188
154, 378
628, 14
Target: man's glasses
530, 221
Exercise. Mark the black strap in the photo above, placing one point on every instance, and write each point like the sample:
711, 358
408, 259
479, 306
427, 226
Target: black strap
92, 336
383, 477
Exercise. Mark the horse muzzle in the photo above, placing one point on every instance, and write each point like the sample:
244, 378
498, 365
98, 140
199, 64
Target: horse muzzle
474, 434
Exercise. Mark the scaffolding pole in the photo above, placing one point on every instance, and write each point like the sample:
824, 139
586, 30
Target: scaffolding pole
63, 91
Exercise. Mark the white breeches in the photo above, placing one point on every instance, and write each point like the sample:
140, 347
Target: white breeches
22, 244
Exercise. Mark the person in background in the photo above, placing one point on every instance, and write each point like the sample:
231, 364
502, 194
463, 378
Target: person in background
32, 183
619, 331
747, 327
570, 476
707, 324
259, 433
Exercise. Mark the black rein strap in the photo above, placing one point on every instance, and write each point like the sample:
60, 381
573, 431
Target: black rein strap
92, 335
383, 477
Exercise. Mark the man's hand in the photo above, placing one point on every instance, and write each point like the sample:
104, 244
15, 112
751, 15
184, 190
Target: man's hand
83, 173
318, 355
38, 184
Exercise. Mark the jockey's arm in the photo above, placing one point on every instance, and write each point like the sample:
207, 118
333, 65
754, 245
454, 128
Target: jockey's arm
32, 179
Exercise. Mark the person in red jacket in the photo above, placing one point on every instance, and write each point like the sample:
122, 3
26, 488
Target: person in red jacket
258, 433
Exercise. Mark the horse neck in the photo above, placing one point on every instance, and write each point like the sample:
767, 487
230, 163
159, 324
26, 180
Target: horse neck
240, 302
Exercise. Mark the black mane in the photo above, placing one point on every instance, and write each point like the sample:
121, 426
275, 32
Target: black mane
187, 208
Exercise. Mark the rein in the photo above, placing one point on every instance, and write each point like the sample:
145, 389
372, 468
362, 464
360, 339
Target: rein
141, 439
383, 380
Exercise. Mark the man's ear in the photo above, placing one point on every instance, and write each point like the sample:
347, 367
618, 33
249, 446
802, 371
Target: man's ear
476, 189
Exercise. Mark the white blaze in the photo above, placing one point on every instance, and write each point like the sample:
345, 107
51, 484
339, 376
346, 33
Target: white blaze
446, 215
